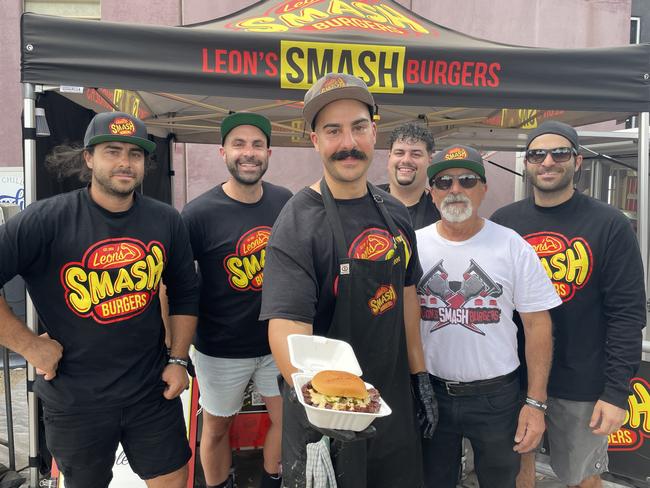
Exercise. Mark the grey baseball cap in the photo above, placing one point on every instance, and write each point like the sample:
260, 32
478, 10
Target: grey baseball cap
335, 86
555, 127
120, 127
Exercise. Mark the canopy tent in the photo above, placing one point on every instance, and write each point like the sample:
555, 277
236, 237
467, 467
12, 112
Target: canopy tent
263, 58
183, 80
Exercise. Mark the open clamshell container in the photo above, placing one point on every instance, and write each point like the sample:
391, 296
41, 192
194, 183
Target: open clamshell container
312, 354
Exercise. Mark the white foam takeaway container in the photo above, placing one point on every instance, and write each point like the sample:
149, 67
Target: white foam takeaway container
311, 354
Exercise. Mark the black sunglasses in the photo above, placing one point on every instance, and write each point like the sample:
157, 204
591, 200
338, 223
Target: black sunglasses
559, 154
445, 182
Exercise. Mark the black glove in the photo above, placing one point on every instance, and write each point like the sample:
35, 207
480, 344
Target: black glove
335, 434
426, 403
347, 435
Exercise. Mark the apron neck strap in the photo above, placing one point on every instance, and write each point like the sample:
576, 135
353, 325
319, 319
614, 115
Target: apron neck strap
335, 221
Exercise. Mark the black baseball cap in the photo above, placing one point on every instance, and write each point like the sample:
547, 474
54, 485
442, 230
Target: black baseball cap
120, 127
335, 86
457, 156
246, 118
555, 127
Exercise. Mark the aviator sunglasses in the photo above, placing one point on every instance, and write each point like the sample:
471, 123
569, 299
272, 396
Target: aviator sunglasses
559, 154
445, 182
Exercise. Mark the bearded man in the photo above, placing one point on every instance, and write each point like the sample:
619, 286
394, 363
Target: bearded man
476, 273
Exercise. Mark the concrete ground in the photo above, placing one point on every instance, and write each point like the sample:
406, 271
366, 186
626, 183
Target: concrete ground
248, 463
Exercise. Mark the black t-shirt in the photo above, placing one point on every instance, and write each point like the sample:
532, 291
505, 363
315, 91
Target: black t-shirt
591, 254
94, 278
301, 264
423, 213
229, 242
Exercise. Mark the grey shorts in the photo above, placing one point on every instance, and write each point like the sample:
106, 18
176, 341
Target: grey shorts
576, 453
222, 381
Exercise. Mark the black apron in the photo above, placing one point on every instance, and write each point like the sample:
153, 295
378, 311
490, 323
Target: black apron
392, 458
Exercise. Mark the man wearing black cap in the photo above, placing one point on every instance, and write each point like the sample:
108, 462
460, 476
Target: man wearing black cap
93, 260
590, 252
342, 262
229, 227
476, 273
410, 150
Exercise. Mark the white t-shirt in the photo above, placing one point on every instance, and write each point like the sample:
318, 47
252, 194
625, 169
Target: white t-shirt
467, 296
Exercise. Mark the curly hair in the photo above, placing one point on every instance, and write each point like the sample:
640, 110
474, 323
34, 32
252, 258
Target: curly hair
68, 160
412, 133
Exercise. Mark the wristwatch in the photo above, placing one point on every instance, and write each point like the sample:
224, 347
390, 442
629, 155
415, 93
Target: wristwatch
179, 361
536, 404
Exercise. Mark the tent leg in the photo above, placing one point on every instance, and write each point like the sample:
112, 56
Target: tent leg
643, 170
29, 142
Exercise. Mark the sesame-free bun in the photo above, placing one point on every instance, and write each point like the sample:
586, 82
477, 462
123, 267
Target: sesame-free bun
339, 383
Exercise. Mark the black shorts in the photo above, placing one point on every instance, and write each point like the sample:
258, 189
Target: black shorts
152, 433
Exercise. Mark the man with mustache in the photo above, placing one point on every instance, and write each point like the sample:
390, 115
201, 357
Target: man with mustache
93, 260
476, 273
342, 262
229, 227
410, 151
598, 328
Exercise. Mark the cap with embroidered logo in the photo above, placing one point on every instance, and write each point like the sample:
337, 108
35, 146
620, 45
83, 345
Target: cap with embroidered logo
119, 127
332, 87
457, 156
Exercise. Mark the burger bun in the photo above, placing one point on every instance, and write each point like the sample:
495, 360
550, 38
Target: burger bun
339, 383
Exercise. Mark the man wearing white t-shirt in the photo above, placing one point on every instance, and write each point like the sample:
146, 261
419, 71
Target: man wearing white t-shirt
476, 273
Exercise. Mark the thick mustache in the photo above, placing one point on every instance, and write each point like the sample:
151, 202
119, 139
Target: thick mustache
352, 153
451, 198
123, 172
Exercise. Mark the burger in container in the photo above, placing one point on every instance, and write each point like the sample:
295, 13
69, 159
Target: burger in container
329, 384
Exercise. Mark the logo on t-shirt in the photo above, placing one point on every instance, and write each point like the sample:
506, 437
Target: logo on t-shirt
383, 300
568, 262
115, 280
468, 303
375, 244
245, 267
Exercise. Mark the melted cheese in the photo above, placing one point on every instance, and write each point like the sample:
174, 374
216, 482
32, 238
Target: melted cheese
320, 400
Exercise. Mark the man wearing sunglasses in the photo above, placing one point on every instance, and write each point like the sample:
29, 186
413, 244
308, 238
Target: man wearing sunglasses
590, 252
476, 273
410, 151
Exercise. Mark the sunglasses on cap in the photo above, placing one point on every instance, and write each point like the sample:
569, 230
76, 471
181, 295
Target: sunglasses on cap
445, 182
559, 154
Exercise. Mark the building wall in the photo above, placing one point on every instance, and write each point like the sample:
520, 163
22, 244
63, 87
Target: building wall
544, 23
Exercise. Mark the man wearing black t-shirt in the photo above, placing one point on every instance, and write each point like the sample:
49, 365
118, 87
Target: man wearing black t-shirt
591, 254
229, 227
410, 151
93, 260
342, 262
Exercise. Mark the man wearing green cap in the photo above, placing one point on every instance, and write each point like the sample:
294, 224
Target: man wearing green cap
476, 273
229, 227
93, 260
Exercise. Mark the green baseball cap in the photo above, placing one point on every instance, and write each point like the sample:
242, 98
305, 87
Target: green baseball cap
457, 156
246, 118
120, 127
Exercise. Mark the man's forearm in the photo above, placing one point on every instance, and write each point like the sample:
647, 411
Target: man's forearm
279, 330
181, 328
539, 352
412, 330
14, 334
